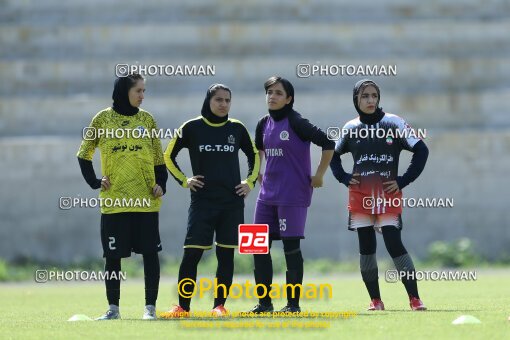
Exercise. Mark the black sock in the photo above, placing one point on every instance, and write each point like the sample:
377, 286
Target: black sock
151, 275
112, 265
264, 275
224, 274
368, 261
411, 287
373, 289
370, 275
188, 270
404, 263
294, 275
401, 259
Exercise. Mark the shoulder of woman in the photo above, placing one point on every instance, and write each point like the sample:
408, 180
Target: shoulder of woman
108, 110
145, 113
102, 115
297, 120
264, 118
236, 121
392, 116
293, 114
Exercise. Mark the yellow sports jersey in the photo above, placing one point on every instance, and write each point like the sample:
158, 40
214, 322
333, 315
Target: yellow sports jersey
129, 151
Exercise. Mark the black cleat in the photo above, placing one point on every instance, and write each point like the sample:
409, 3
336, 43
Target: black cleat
260, 308
291, 309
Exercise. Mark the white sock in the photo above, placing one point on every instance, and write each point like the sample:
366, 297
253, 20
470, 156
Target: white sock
114, 308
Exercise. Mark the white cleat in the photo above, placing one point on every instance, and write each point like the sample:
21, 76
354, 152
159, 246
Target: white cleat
149, 313
109, 315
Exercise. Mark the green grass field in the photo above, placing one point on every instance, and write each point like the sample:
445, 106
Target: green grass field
31, 310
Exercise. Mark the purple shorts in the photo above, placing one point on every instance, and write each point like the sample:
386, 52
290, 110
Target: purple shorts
284, 221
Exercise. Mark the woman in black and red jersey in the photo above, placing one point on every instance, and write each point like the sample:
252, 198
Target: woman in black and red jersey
375, 139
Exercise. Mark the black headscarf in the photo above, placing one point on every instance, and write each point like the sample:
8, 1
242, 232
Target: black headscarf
367, 118
289, 89
121, 98
206, 106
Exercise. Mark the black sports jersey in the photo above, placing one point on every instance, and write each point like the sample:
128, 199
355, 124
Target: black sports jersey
375, 159
214, 154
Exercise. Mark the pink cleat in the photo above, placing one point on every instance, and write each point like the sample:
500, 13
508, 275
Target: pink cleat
416, 304
376, 304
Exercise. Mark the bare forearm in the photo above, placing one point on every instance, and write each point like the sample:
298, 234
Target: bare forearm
326, 157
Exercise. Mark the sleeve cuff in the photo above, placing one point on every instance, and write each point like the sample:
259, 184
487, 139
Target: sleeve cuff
346, 179
96, 184
402, 183
163, 187
329, 146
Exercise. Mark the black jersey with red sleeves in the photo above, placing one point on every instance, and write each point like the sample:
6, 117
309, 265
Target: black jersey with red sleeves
375, 149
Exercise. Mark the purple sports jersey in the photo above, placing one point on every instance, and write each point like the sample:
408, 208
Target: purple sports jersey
287, 178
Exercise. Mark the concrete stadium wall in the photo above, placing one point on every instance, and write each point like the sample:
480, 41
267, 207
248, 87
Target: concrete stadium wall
468, 167
57, 65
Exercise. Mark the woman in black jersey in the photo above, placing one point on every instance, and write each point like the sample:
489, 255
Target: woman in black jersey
375, 139
217, 192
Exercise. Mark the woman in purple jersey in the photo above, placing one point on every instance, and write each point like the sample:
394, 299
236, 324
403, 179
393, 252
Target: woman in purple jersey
283, 137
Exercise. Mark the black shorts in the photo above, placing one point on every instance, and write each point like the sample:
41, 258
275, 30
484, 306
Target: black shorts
203, 221
123, 233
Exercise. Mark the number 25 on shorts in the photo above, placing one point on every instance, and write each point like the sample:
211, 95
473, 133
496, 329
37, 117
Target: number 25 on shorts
253, 239
283, 224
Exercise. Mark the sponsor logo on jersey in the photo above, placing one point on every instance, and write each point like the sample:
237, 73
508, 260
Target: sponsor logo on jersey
273, 152
284, 135
231, 139
125, 123
389, 140
216, 148
124, 147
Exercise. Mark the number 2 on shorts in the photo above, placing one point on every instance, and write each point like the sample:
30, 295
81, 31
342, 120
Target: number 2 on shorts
110, 244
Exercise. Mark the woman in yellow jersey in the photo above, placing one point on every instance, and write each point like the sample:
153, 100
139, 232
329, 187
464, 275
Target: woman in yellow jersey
132, 183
